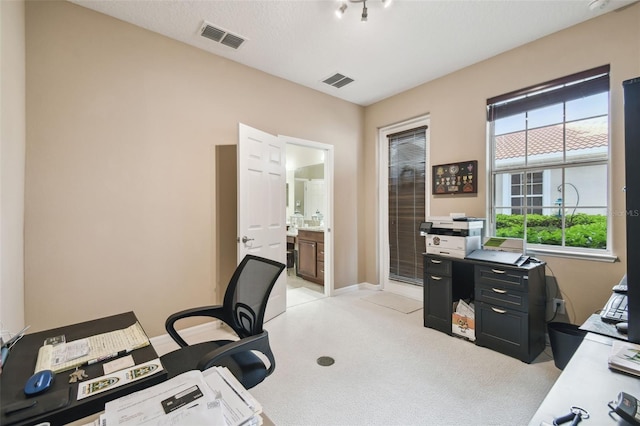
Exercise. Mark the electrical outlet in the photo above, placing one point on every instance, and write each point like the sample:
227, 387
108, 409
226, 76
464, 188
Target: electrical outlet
558, 306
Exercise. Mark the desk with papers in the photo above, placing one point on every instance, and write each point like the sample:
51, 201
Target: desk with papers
60, 404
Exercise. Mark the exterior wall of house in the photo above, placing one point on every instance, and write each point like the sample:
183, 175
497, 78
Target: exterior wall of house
456, 104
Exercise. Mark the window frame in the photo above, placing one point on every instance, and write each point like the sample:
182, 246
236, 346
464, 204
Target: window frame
530, 99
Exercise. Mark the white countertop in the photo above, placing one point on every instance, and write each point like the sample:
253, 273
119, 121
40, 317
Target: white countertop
294, 231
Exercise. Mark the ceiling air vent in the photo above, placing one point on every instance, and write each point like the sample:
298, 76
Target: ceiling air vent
338, 80
221, 36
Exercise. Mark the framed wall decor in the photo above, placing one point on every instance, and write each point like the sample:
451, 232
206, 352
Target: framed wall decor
455, 178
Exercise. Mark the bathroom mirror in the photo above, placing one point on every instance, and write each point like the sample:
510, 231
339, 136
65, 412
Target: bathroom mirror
308, 197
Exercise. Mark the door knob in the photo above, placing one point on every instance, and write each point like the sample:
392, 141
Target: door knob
245, 239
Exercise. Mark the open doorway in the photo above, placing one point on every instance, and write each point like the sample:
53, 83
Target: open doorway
309, 212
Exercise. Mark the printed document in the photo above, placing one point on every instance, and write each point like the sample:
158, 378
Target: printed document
66, 356
212, 398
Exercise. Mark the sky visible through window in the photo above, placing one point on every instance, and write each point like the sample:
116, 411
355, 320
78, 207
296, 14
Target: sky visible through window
590, 106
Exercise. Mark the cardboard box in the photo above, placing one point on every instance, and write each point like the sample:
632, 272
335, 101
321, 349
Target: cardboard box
463, 326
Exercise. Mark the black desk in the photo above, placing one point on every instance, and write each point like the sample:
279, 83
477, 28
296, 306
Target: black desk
22, 360
510, 302
587, 382
595, 324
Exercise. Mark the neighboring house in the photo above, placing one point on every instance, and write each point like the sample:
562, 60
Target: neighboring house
587, 139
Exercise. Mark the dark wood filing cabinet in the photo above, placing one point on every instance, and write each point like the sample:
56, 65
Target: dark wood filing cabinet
509, 302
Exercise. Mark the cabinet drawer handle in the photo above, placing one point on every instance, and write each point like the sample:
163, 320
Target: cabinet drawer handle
497, 290
437, 262
499, 311
322, 252
497, 271
433, 277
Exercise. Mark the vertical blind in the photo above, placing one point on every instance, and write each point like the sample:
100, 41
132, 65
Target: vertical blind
407, 184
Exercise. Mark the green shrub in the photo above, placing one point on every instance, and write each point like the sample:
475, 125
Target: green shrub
582, 230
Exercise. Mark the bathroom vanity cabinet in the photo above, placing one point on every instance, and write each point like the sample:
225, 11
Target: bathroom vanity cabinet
311, 255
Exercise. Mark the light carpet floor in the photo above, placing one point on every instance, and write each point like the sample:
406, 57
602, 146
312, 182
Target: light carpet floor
390, 370
393, 301
301, 295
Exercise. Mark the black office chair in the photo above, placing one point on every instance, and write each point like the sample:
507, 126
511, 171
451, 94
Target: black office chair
243, 310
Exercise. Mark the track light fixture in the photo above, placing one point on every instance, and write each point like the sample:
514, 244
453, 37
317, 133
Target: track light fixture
365, 12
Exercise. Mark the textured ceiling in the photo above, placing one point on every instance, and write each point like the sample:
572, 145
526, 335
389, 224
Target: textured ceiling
400, 47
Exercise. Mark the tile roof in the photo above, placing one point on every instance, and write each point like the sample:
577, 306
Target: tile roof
581, 135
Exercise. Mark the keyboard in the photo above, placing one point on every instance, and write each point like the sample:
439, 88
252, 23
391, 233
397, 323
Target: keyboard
616, 309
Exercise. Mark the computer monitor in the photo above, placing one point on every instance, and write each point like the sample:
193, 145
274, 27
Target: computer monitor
632, 176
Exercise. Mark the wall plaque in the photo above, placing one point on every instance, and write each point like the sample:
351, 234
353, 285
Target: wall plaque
455, 178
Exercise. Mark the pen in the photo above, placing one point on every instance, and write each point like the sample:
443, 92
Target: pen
106, 357
4, 353
9, 343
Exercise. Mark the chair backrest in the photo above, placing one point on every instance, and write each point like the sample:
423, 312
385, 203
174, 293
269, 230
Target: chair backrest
245, 300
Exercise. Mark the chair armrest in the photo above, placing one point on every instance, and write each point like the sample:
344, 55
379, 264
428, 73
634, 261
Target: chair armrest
204, 311
258, 342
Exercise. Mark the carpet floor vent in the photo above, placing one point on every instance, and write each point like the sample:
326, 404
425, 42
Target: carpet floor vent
221, 36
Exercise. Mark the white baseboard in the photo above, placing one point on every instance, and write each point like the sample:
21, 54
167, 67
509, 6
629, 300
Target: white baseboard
355, 287
198, 333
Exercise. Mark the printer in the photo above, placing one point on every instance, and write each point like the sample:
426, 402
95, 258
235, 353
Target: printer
452, 236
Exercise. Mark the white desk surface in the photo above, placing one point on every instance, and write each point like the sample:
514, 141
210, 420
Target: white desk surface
587, 382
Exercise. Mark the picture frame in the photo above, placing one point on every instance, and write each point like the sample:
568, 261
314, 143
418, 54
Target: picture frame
455, 178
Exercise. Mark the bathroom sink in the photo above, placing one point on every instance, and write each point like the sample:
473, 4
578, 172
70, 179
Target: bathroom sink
313, 228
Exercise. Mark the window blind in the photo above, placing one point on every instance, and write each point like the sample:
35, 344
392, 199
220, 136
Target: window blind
571, 87
407, 183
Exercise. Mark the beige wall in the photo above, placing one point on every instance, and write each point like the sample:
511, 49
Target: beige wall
456, 104
121, 177
12, 148
120, 180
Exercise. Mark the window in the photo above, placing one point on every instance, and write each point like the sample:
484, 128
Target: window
533, 191
406, 186
549, 172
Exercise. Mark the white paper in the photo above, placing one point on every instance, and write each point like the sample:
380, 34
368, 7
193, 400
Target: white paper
145, 408
239, 405
118, 364
118, 378
224, 402
100, 345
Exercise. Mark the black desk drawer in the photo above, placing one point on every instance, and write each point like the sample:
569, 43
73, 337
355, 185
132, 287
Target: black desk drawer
437, 302
496, 276
437, 266
503, 330
503, 296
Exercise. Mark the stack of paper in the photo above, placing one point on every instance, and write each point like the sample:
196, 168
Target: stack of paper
625, 357
69, 355
213, 397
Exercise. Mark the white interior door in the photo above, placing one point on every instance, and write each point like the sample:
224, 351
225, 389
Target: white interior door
262, 229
